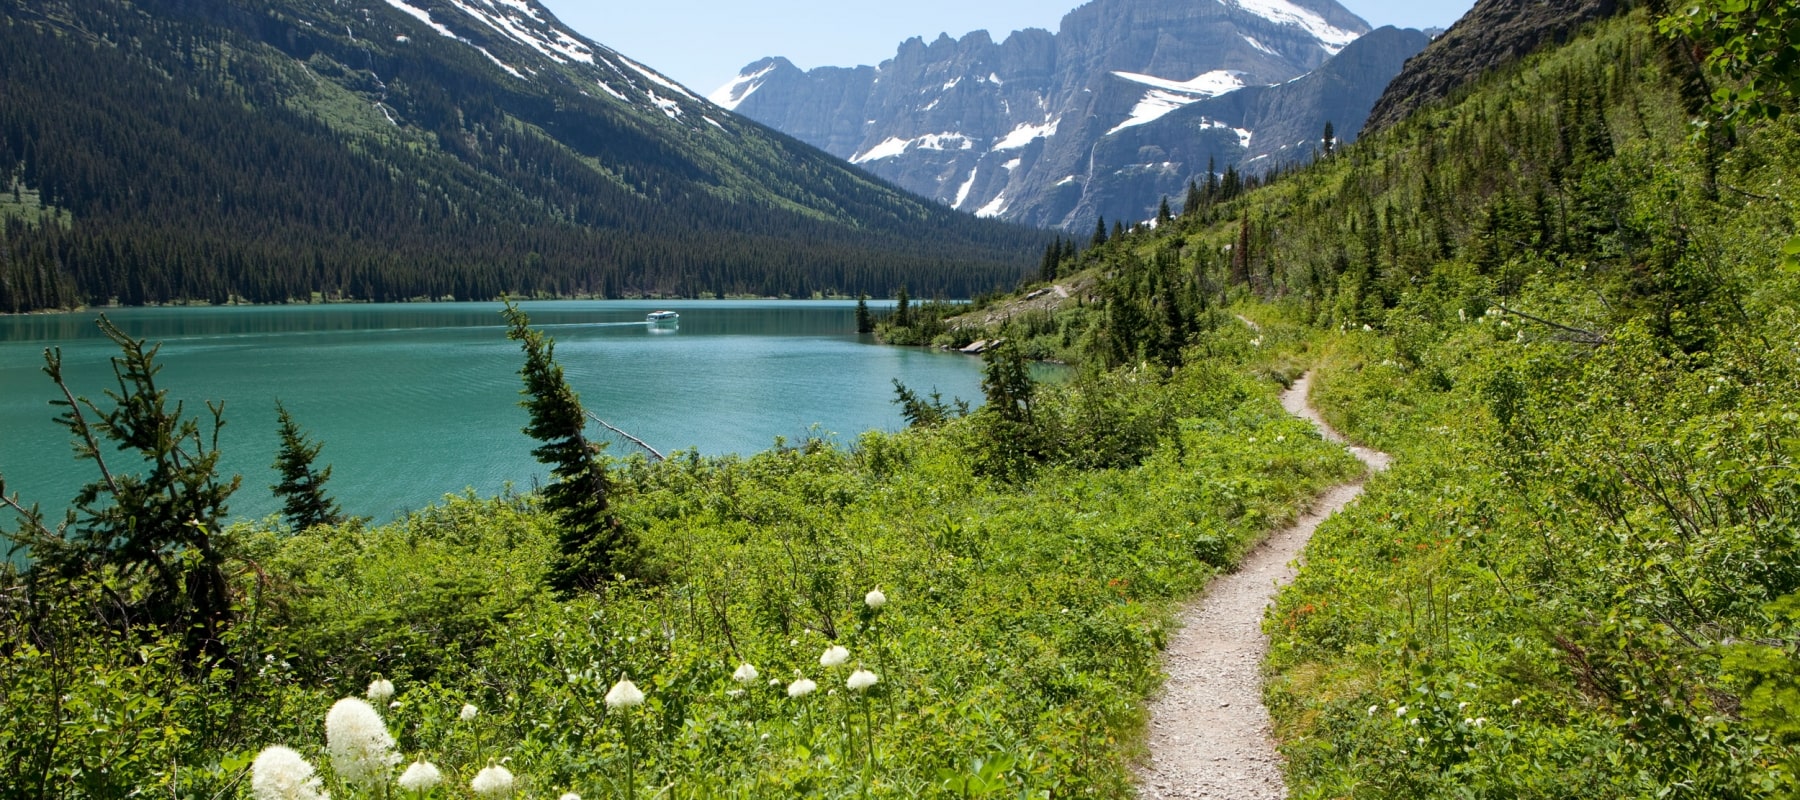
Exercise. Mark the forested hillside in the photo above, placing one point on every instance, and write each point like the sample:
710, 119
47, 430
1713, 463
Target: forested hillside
1565, 302
272, 150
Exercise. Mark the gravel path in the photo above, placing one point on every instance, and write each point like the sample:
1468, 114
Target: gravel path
1209, 732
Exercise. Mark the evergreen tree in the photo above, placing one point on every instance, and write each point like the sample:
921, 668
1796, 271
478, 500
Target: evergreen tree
1212, 179
1052, 259
302, 490
1010, 438
593, 546
1328, 144
864, 322
154, 542
902, 308
1192, 203
1163, 215
1099, 233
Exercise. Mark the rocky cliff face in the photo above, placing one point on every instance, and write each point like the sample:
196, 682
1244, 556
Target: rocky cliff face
1494, 33
1094, 120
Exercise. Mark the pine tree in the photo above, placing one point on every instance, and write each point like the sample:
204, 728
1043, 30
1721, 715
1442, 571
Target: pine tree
1193, 202
1099, 233
864, 322
156, 542
1328, 144
902, 309
593, 546
1163, 215
302, 490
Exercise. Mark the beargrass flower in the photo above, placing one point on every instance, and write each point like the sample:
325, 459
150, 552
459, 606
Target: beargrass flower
569, 796
380, 690
801, 688
1372, 710
495, 781
875, 598
467, 713
1400, 712
624, 694
862, 679
834, 656
279, 773
421, 777
362, 751
745, 673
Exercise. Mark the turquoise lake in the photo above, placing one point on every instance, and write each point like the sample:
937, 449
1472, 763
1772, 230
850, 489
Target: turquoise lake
416, 401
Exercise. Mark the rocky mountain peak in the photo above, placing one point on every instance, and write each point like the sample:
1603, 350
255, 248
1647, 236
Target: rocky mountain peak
1055, 129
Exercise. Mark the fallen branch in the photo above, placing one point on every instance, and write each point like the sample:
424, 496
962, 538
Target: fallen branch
633, 439
1587, 337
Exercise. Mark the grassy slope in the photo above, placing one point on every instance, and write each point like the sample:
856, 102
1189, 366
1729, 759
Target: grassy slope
1551, 594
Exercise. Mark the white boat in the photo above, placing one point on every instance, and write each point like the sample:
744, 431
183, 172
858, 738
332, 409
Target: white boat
662, 316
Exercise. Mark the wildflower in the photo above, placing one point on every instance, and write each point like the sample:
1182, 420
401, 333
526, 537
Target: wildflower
362, 751
1400, 712
1480, 721
394, 706
834, 656
467, 713
1372, 710
875, 599
1461, 706
745, 673
1517, 701
569, 796
279, 773
624, 694
494, 781
379, 690
862, 679
801, 688
422, 776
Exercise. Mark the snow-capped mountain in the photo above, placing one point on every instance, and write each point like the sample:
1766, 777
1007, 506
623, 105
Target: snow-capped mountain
1094, 120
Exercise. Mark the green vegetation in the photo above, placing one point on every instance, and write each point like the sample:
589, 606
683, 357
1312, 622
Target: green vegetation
1000, 634
1573, 323
1571, 320
304, 502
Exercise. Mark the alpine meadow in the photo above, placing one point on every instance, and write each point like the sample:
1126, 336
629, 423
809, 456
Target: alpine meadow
1557, 283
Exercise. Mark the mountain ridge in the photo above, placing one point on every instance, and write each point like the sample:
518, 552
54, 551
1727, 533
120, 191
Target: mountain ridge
1018, 129
449, 148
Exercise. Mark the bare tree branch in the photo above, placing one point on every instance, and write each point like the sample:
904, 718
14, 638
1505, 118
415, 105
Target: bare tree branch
633, 439
1586, 337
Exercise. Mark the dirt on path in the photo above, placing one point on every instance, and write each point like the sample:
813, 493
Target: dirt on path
1209, 732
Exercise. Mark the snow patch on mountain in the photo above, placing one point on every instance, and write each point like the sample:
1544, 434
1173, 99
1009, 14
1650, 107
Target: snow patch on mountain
1168, 95
501, 64
423, 16
555, 45
1210, 84
1282, 12
733, 94
658, 79
895, 146
1026, 134
962, 195
994, 208
1260, 47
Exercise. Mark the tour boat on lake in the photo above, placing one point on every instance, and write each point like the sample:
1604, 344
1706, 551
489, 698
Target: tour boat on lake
662, 316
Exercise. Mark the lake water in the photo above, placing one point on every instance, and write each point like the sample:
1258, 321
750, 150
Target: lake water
415, 401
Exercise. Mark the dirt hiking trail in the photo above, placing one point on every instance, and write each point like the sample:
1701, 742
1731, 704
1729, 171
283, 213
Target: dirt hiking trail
1209, 732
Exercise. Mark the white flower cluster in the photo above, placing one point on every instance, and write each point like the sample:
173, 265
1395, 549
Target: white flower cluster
279, 773
362, 751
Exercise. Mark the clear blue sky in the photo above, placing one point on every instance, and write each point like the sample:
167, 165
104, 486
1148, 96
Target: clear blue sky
703, 43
